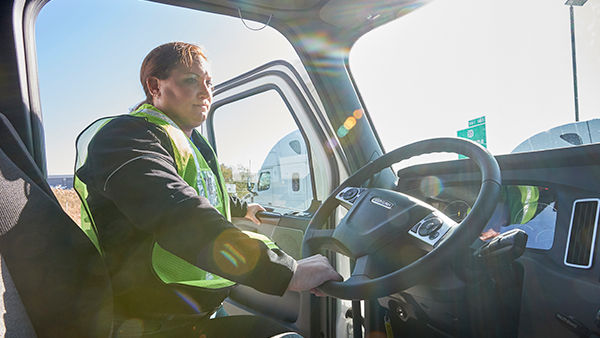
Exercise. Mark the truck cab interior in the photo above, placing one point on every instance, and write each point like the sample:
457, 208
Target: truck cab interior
492, 244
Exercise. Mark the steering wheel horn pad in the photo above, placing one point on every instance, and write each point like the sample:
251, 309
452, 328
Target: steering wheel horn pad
377, 217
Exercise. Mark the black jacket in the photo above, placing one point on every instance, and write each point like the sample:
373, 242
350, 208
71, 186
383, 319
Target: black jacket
137, 198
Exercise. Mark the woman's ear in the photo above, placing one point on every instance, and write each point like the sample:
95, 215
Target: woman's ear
153, 85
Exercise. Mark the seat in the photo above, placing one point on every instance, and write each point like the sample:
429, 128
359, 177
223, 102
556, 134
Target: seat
58, 274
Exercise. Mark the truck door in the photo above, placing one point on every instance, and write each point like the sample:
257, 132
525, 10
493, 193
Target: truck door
248, 123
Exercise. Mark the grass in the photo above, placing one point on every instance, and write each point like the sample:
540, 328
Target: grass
69, 201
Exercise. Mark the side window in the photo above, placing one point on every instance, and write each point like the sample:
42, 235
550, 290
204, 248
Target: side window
264, 181
295, 145
529, 208
257, 137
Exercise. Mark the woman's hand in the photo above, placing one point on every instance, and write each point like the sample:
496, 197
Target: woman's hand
311, 272
253, 208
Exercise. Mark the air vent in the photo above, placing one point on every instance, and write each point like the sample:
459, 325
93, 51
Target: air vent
582, 233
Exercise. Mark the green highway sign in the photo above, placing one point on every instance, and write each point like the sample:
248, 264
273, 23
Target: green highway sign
475, 132
479, 120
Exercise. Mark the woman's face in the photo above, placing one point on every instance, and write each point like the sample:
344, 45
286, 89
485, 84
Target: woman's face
186, 95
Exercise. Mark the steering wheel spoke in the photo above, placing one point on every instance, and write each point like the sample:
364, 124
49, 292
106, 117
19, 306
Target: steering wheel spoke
348, 196
325, 239
320, 238
431, 230
361, 266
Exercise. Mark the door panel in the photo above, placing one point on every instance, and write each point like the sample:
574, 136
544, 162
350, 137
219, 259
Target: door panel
285, 230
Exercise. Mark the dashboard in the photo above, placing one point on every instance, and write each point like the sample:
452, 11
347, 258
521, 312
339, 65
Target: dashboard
529, 295
530, 208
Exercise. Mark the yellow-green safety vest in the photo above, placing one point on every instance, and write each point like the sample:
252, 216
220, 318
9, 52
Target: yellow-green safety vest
195, 171
523, 202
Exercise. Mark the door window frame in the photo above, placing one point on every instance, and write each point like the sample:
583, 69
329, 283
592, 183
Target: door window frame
281, 77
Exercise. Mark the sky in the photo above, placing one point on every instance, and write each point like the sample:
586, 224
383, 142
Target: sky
424, 75
457, 60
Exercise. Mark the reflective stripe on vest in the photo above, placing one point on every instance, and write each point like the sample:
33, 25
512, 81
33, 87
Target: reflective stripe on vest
194, 170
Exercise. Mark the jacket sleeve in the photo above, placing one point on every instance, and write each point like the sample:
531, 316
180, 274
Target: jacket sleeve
237, 206
130, 162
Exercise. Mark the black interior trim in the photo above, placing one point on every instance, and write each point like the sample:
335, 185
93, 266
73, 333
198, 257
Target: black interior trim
57, 271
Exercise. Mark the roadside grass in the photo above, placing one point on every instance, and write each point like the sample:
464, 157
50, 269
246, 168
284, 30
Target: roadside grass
70, 202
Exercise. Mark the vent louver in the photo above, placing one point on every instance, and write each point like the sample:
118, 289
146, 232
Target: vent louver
582, 233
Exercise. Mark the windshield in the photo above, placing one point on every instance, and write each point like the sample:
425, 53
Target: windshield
500, 73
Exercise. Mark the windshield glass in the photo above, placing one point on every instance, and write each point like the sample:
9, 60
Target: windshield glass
500, 73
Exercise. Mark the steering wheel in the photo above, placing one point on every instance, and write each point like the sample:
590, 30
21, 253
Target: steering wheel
377, 218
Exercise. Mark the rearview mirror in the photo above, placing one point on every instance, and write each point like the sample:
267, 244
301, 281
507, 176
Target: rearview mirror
250, 186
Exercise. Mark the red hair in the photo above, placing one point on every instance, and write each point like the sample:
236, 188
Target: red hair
162, 59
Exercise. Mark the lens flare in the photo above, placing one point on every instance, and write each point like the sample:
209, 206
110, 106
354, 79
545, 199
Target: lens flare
350, 123
330, 62
409, 8
236, 253
342, 131
320, 42
229, 257
232, 255
188, 300
358, 114
237, 256
431, 186
332, 143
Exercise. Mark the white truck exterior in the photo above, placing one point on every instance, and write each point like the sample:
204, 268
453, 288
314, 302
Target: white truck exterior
284, 182
576, 133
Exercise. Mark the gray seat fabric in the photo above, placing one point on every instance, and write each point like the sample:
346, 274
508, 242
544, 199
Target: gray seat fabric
58, 274
14, 321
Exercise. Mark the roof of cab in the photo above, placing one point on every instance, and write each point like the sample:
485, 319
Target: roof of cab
348, 19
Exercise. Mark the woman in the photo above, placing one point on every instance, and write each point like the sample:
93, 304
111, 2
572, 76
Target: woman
161, 213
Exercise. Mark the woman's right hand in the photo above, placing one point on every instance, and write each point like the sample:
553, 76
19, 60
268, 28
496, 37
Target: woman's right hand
311, 272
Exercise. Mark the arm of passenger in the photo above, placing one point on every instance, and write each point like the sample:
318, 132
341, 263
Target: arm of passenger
142, 180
